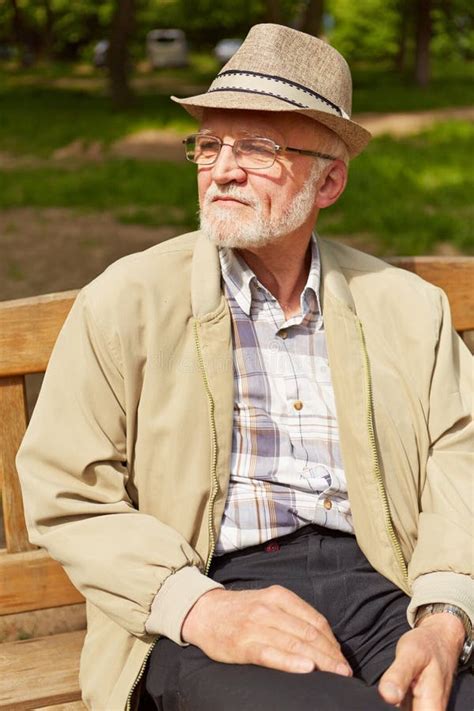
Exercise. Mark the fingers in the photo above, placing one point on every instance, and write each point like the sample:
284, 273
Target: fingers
429, 693
301, 619
297, 629
292, 604
274, 658
304, 638
270, 627
396, 681
413, 673
290, 650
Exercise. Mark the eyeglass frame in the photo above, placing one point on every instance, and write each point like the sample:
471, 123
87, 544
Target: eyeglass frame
279, 150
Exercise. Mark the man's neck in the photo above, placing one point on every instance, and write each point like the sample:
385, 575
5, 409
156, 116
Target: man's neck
283, 268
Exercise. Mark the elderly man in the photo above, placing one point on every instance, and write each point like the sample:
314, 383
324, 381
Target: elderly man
251, 448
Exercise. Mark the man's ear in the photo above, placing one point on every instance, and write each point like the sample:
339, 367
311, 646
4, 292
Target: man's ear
333, 182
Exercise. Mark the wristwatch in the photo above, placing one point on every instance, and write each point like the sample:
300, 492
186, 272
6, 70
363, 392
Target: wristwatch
435, 607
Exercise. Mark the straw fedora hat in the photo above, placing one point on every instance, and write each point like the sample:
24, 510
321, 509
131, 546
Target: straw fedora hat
280, 69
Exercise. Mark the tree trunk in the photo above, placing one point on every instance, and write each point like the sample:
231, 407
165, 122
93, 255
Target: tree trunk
117, 55
22, 34
403, 32
423, 39
273, 11
313, 18
47, 34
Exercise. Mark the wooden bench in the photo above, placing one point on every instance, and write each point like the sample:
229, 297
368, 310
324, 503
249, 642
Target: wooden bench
43, 672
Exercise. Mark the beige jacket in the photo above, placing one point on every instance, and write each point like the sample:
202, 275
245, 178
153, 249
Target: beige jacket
125, 464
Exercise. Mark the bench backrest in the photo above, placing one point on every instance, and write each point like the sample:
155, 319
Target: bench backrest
29, 579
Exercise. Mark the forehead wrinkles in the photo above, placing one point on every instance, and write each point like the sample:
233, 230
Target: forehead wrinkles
237, 130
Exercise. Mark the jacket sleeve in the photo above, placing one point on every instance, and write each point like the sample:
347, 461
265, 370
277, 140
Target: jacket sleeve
72, 466
442, 563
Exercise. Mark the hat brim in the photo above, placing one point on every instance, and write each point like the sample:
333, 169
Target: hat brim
355, 137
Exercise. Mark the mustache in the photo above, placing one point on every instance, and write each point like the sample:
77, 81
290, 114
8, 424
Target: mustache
232, 191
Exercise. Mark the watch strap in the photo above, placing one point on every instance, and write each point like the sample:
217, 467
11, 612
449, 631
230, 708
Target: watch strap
436, 607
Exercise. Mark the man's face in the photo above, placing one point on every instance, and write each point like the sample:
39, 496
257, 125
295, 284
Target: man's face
251, 208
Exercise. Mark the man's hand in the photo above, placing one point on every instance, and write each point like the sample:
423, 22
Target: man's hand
425, 664
272, 628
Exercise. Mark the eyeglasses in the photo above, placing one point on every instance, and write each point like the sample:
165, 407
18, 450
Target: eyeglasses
252, 153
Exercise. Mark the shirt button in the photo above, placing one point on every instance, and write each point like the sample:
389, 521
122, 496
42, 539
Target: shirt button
327, 503
298, 405
283, 334
272, 547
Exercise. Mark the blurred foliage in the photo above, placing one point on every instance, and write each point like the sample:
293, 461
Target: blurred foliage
47, 108
419, 188
417, 191
365, 29
372, 29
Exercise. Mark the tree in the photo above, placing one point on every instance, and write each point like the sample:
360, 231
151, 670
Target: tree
313, 18
273, 11
117, 55
404, 27
23, 34
48, 31
422, 41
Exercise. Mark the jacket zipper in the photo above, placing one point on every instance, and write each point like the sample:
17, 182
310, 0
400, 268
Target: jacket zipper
214, 490
375, 458
212, 423
140, 674
215, 483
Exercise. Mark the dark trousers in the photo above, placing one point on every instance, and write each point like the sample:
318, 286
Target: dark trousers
326, 568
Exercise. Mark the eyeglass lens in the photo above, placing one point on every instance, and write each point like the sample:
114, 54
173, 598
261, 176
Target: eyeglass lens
249, 152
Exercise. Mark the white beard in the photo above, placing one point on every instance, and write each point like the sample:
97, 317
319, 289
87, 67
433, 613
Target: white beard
221, 226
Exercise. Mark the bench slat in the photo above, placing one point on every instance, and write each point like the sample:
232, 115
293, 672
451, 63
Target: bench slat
33, 581
13, 420
73, 706
28, 331
40, 672
455, 275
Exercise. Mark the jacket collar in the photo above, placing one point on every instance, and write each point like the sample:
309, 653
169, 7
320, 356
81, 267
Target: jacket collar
206, 289
333, 282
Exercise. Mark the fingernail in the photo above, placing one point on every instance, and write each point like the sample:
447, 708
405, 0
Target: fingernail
343, 669
392, 691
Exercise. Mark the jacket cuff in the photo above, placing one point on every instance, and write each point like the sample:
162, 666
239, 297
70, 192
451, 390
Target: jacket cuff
451, 588
174, 600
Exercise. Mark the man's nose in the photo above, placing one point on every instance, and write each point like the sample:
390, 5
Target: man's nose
226, 169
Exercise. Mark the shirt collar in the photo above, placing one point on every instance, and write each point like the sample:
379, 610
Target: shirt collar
242, 282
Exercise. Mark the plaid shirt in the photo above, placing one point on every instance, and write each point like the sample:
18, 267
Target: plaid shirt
286, 467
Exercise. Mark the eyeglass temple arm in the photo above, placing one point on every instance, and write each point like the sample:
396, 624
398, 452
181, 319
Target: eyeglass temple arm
303, 152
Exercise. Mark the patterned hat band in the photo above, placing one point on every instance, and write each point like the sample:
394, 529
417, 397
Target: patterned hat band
277, 87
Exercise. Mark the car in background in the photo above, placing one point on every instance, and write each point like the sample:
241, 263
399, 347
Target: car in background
226, 48
167, 48
99, 57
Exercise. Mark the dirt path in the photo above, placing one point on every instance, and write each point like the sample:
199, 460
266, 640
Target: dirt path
56, 249
410, 122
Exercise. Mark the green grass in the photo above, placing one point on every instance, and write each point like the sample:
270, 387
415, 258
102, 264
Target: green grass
49, 107
406, 194
411, 193
380, 89
138, 192
36, 120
